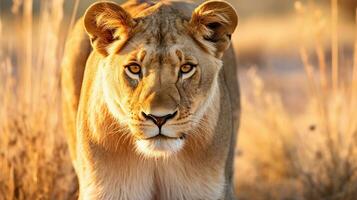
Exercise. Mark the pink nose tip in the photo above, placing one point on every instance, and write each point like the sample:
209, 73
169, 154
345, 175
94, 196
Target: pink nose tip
159, 120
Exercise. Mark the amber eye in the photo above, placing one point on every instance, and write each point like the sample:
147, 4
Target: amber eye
187, 70
133, 70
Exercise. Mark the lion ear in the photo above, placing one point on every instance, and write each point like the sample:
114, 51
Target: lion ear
215, 21
106, 23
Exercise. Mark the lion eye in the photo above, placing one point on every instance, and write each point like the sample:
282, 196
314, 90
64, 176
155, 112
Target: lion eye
133, 70
187, 70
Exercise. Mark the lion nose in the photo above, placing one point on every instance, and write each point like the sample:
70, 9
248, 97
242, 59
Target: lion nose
159, 120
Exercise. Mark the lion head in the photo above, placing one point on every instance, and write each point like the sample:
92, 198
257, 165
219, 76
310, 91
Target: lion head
160, 68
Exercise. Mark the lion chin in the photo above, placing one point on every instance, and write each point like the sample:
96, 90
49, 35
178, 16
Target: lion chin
159, 146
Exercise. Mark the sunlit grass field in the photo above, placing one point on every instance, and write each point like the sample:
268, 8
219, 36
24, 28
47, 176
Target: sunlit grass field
298, 76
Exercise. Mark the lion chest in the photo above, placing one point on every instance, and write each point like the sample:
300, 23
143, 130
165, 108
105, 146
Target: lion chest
144, 180
182, 182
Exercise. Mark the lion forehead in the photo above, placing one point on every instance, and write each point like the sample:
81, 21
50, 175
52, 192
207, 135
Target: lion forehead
162, 26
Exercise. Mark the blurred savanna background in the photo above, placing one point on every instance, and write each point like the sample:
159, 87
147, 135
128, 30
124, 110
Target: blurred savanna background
298, 77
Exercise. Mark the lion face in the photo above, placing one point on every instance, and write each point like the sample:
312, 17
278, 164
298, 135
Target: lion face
160, 92
159, 72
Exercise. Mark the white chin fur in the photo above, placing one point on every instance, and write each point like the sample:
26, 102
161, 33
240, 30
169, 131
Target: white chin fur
159, 147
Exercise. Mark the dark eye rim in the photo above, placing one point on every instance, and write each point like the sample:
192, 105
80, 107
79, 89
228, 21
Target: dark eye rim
133, 64
190, 64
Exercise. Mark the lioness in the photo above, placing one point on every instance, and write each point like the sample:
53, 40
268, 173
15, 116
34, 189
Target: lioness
151, 100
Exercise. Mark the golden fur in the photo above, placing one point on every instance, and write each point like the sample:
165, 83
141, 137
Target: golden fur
115, 147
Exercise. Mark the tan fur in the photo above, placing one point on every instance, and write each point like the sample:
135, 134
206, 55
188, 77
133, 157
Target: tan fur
106, 130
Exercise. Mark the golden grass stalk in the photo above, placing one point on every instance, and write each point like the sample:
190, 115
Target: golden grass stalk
73, 17
27, 63
314, 89
353, 99
354, 73
334, 43
319, 50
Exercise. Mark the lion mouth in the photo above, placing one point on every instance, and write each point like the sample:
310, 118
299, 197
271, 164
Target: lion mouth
161, 136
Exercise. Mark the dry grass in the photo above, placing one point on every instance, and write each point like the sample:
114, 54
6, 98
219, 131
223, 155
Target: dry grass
283, 153
34, 161
309, 154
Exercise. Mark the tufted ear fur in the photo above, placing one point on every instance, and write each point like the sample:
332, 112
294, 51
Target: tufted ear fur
214, 21
106, 23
